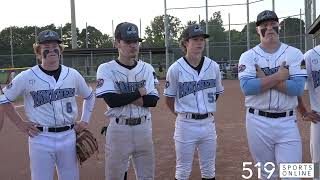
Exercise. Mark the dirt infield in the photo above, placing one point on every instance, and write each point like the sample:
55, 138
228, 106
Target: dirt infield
232, 147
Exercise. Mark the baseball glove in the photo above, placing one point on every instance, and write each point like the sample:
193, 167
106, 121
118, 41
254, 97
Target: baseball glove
86, 145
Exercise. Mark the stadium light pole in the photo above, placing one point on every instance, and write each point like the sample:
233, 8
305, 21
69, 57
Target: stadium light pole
61, 36
248, 28
229, 38
166, 36
87, 38
314, 17
11, 47
140, 28
113, 38
73, 26
35, 41
207, 30
273, 7
300, 30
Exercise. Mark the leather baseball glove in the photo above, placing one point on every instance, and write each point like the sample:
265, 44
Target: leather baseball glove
86, 145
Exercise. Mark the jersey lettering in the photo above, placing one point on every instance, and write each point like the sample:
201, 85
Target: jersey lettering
186, 88
42, 97
127, 87
269, 71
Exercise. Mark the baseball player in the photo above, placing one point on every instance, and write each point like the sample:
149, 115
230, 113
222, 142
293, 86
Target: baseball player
127, 86
271, 76
193, 84
49, 90
2, 112
312, 60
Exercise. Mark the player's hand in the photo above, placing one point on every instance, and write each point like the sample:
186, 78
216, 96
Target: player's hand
138, 102
283, 72
311, 116
142, 91
29, 128
260, 73
80, 126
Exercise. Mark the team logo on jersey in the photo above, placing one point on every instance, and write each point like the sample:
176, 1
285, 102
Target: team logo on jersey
314, 61
42, 97
167, 84
127, 87
269, 71
316, 78
100, 83
241, 68
186, 88
32, 81
303, 64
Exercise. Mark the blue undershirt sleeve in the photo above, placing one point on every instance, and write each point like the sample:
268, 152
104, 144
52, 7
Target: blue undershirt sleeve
295, 86
250, 86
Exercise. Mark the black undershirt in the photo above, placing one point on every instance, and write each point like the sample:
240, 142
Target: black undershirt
55, 73
117, 100
198, 68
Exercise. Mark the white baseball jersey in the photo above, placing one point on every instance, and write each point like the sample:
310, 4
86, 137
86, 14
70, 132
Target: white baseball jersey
271, 100
48, 102
193, 92
312, 58
113, 78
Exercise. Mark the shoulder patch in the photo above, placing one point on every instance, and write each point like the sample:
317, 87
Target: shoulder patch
241, 68
303, 64
100, 83
314, 61
167, 84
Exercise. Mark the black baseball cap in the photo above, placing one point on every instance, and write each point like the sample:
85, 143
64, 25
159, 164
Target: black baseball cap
127, 31
193, 31
48, 35
266, 15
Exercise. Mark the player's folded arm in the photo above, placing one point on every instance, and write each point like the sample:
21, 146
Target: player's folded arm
150, 100
250, 86
117, 100
295, 86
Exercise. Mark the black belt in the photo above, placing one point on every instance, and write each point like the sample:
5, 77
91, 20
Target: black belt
199, 116
271, 115
56, 129
131, 121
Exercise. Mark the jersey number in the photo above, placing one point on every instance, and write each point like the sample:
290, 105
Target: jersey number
210, 97
69, 107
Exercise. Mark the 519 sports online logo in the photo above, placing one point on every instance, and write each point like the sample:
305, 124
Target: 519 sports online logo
285, 170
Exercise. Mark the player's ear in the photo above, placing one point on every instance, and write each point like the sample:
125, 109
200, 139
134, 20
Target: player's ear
257, 30
37, 48
185, 43
116, 43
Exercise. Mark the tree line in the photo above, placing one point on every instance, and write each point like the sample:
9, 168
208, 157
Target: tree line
24, 37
